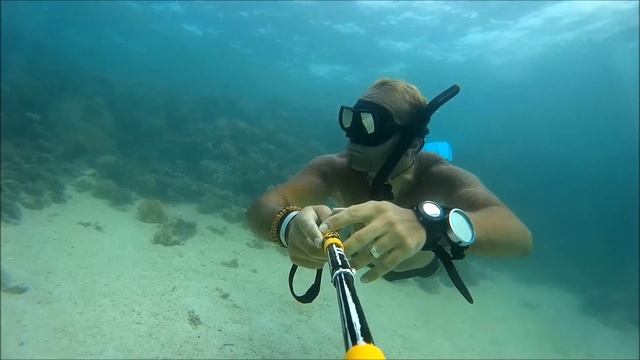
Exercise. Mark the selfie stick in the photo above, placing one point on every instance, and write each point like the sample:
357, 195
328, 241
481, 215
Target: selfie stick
357, 337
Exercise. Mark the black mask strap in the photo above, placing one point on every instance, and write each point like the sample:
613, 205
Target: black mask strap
380, 189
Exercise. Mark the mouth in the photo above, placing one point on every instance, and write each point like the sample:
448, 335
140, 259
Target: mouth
355, 149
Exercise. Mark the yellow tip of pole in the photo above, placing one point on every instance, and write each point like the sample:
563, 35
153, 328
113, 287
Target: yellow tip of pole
364, 352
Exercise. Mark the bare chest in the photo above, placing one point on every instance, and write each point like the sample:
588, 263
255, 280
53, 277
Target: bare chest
357, 190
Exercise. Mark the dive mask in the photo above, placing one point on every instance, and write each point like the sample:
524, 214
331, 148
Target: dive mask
367, 123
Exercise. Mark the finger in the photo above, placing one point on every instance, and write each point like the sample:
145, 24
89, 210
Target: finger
361, 259
383, 266
359, 240
337, 210
355, 214
315, 253
383, 245
303, 251
322, 211
308, 227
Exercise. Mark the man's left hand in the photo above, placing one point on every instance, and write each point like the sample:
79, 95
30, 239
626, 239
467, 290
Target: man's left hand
391, 233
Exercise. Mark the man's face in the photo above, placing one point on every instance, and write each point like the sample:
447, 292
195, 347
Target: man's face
369, 159
367, 123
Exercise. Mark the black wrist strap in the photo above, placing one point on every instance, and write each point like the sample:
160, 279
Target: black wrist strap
446, 259
312, 293
457, 252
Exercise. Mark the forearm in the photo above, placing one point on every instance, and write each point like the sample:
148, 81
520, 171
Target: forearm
261, 214
499, 233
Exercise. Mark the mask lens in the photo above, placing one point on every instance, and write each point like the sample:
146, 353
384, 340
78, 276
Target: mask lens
368, 122
346, 117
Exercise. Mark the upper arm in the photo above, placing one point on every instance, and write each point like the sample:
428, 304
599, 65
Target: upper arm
460, 188
310, 186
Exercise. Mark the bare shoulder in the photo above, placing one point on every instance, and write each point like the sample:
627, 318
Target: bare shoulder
329, 160
327, 168
455, 182
328, 163
427, 160
446, 172
434, 168
313, 183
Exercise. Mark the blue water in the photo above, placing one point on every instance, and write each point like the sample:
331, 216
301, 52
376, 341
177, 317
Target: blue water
547, 117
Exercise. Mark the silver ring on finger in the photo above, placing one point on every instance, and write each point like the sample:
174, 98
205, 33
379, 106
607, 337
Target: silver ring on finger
374, 252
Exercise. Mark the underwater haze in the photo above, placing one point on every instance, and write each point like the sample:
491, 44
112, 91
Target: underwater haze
200, 105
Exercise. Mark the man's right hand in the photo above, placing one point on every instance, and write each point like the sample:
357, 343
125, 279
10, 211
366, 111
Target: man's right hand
305, 240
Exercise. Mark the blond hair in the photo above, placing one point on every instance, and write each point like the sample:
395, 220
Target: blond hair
400, 98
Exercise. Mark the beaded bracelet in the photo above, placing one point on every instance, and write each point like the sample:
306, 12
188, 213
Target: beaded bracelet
278, 219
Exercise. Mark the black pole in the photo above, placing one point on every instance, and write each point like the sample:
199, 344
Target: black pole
358, 341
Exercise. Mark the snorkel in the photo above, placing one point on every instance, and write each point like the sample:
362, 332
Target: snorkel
380, 188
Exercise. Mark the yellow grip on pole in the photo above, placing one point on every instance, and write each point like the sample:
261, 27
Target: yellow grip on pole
364, 352
332, 238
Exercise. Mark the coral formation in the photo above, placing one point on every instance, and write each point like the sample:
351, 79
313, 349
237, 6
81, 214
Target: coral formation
35, 188
94, 225
110, 167
104, 188
92, 122
7, 285
56, 191
194, 319
233, 263
233, 214
33, 202
83, 183
214, 201
173, 148
109, 190
146, 185
31, 176
57, 197
175, 232
10, 188
151, 211
256, 243
217, 230
10, 211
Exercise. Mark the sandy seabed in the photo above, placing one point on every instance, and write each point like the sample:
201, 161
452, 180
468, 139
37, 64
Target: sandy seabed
224, 294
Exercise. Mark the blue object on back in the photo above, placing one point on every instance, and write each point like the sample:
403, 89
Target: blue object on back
441, 148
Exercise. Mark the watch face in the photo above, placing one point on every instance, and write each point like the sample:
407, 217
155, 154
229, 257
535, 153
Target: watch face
461, 227
432, 209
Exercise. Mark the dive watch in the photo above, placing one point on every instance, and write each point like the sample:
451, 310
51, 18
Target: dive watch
442, 223
449, 233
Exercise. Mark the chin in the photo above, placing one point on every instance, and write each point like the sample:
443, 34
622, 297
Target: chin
356, 169
369, 174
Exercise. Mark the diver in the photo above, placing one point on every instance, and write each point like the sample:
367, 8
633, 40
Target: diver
408, 210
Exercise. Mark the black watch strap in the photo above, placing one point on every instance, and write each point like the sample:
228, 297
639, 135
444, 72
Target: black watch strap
434, 231
457, 251
446, 258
